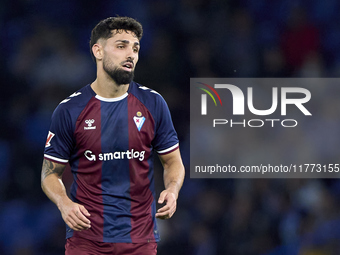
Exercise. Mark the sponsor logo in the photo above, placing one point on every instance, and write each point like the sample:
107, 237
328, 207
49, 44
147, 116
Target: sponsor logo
129, 154
49, 138
89, 124
139, 120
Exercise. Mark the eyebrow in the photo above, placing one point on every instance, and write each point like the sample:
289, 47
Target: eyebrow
127, 42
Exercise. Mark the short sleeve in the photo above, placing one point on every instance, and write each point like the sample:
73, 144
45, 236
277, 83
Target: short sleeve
166, 139
60, 141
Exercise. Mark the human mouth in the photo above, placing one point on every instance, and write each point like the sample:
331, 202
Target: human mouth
127, 66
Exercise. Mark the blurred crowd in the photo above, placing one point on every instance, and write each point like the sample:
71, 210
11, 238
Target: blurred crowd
46, 58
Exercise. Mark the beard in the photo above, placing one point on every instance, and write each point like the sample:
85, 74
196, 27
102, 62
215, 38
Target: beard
117, 74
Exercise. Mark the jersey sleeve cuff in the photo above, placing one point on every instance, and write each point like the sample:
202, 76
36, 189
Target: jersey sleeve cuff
168, 150
56, 160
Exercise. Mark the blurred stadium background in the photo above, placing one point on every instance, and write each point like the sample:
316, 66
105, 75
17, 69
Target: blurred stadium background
45, 57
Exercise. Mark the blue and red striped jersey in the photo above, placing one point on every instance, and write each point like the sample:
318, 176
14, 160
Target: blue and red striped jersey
109, 144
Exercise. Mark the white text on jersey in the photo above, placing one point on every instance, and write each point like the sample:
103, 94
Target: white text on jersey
115, 155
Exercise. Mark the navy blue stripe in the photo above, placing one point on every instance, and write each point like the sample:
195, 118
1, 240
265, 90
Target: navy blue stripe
115, 174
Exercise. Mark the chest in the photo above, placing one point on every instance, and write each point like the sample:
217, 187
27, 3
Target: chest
114, 126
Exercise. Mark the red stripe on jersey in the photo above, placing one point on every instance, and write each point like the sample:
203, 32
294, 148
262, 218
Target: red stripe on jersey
89, 172
141, 196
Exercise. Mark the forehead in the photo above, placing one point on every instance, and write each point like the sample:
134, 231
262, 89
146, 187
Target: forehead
123, 35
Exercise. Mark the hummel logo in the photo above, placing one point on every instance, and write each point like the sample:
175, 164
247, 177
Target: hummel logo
89, 124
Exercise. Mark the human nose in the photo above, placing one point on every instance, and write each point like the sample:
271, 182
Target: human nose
131, 54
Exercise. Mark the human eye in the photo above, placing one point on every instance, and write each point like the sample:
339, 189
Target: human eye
136, 50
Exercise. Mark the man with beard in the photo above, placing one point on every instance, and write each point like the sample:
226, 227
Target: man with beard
107, 132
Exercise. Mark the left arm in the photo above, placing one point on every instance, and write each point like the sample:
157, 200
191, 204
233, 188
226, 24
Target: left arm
173, 179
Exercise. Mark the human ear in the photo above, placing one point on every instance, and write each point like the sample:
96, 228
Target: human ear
97, 50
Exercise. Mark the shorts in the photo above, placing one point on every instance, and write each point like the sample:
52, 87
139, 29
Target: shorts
81, 246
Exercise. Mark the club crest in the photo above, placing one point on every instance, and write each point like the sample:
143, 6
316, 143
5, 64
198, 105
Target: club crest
139, 120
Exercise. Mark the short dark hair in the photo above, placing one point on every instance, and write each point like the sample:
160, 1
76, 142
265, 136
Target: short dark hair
104, 29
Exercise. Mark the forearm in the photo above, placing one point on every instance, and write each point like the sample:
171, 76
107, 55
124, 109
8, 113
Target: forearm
173, 178
51, 182
173, 172
74, 215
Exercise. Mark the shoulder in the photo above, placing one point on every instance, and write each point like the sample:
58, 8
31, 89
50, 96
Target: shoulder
146, 95
81, 96
75, 103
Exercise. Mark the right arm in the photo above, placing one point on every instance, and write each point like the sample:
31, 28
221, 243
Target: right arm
72, 213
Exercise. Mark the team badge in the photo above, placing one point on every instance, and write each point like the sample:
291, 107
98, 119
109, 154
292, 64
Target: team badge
49, 138
139, 120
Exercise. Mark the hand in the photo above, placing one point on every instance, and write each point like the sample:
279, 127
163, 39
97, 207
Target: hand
169, 208
75, 215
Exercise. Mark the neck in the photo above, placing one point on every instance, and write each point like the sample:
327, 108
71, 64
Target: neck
104, 86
